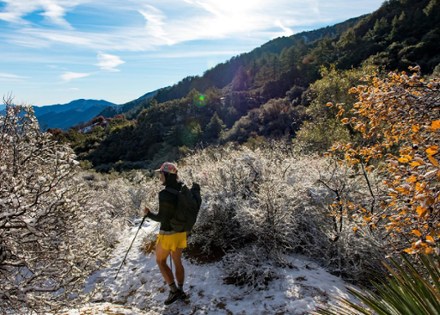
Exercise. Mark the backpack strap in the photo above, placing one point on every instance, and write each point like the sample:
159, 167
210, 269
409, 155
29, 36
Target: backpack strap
172, 190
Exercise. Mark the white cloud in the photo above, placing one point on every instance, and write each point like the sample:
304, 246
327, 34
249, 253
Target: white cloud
193, 54
11, 77
15, 11
155, 22
287, 31
69, 76
109, 62
231, 18
55, 13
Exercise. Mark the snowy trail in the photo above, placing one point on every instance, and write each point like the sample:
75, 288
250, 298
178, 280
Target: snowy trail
140, 289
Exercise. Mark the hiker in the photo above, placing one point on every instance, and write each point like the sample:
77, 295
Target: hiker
169, 242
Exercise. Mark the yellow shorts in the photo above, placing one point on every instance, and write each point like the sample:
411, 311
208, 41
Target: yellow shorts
172, 241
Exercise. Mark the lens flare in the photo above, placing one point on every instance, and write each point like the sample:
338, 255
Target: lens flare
199, 100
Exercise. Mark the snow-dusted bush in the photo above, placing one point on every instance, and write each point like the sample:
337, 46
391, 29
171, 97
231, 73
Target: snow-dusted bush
246, 197
117, 199
281, 202
52, 232
38, 195
248, 268
355, 248
120, 195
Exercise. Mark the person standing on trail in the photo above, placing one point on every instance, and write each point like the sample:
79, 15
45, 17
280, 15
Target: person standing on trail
169, 242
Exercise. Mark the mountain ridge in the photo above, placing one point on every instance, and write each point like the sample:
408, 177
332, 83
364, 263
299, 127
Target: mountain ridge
65, 116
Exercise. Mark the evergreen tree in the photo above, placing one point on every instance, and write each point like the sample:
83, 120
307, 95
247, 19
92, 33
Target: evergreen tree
214, 129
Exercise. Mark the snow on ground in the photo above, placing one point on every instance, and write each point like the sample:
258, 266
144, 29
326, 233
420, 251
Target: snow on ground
139, 288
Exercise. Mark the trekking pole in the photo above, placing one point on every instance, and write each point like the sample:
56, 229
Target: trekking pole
123, 260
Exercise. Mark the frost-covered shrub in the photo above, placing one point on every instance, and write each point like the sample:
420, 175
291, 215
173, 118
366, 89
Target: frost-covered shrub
282, 202
57, 224
117, 199
354, 248
248, 268
249, 198
47, 244
218, 230
118, 196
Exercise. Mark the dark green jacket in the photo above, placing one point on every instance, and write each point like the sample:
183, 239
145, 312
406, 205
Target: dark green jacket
167, 208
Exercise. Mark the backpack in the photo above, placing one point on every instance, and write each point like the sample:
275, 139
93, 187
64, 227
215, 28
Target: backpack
188, 206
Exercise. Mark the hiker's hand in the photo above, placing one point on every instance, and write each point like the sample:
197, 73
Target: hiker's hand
146, 211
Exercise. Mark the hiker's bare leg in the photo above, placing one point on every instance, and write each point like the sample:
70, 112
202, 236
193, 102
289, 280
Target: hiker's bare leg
161, 260
177, 259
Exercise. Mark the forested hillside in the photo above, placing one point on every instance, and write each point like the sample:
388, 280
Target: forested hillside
267, 92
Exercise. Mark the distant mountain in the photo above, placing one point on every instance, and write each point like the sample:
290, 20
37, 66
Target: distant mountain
132, 108
2, 107
64, 116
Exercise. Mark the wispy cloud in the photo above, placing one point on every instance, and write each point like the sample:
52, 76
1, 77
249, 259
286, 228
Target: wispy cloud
11, 77
165, 23
15, 10
69, 76
287, 31
155, 23
44, 37
193, 54
109, 62
53, 11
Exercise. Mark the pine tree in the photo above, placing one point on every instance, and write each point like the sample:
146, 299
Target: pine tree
214, 129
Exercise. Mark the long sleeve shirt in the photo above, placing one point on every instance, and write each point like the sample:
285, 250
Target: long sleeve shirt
167, 208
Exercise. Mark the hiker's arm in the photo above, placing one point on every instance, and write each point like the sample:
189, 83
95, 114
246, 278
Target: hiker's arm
165, 211
152, 216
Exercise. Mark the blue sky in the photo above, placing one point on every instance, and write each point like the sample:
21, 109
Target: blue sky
55, 51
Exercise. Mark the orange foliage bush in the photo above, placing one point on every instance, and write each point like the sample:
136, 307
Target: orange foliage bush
398, 120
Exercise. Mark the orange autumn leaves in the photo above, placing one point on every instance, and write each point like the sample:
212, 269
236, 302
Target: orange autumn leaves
397, 118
